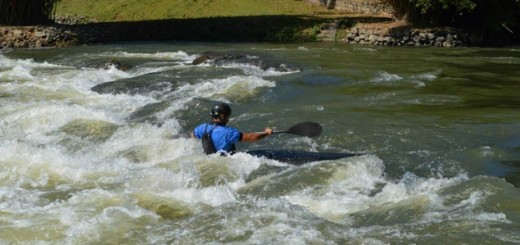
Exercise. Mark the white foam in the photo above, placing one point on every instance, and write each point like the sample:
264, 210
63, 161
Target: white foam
17, 73
347, 191
179, 55
88, 224
383, 76
250, 69
10, 63
427, 76
236, 87
352, 188
366, 49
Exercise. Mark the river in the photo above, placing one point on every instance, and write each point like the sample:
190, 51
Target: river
94, 146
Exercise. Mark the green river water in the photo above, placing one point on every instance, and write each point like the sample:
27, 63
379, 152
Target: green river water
94, 146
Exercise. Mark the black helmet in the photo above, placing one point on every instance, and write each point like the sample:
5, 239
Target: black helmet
220, 109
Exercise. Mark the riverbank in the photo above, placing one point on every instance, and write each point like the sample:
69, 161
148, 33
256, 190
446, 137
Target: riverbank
38, 36
403, 34
362, 30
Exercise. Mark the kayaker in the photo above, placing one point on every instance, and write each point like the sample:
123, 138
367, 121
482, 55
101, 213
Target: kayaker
218, 137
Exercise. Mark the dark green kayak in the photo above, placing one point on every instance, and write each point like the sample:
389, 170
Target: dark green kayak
299, 157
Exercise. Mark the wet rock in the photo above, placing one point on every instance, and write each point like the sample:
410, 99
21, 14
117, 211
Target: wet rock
107, 64
135, 154
219, 58
215, 57
95, 130
167, 208
147, 113
405, 35
201, 59
280, 67
38, 36
73, 20
264, 170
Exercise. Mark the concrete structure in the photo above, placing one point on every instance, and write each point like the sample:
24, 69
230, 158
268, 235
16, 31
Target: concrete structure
371, 7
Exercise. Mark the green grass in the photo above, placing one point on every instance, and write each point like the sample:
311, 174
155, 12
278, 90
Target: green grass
235, 20
135, 10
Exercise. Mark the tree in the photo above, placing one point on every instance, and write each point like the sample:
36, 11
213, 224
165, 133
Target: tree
486, 20
26, 12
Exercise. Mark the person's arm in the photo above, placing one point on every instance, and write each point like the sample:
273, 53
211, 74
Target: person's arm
252, 137
197, 132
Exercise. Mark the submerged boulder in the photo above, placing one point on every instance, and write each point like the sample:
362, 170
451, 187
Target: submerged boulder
280, 67
95, 130
148, 112
216, 57
131, 86
107, 64
167, 208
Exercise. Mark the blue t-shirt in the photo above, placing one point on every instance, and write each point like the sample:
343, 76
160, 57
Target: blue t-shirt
224, 137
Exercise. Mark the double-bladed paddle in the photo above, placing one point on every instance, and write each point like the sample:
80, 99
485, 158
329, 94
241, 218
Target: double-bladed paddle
309, 129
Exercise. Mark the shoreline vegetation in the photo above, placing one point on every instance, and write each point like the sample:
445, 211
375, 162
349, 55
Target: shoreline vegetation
252, 21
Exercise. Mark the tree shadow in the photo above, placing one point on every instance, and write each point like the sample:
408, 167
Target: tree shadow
26, 12
277, 28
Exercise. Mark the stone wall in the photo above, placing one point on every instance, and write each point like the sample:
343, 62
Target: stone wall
370, 7
384, 33
56, 35
36, 37
375, 7
326, 3
68, 30
396, 34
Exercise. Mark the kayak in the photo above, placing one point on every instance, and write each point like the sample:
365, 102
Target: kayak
299, 157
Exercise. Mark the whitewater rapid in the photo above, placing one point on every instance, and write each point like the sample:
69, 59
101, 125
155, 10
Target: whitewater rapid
78, 166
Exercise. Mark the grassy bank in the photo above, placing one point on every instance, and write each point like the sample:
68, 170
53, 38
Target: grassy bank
206, 20
138, 10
